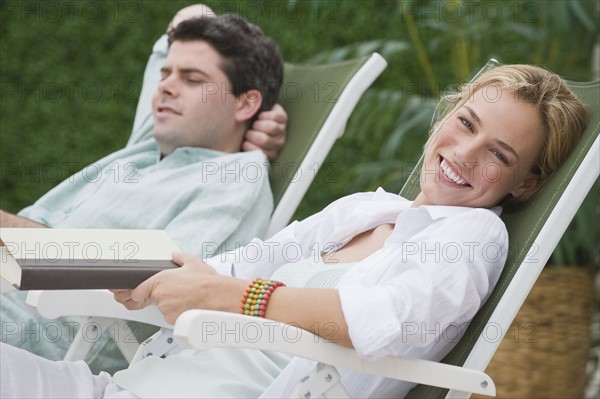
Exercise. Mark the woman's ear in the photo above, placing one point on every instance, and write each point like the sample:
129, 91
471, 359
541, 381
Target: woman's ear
524, 190
247, 105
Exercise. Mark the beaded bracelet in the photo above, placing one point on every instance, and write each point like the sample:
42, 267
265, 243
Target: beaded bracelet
256, 297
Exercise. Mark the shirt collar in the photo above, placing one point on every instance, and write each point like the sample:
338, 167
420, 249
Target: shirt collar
435, 211
440, 211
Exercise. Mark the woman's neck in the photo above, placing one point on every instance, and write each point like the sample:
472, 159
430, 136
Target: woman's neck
420, 200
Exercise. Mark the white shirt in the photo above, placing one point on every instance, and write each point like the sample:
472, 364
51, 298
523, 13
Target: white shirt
409, 298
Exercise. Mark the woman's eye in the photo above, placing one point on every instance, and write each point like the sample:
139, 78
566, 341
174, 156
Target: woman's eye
501, 157
465, 122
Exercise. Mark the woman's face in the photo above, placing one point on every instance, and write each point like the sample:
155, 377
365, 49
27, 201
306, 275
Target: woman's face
483, 151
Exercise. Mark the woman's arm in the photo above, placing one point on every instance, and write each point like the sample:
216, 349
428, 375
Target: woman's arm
196, 285
317, 310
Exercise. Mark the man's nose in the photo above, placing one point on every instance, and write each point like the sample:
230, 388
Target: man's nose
168, 86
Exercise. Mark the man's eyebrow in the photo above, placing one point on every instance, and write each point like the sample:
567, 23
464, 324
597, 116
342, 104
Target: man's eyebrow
474, 115
186, 71
194, 70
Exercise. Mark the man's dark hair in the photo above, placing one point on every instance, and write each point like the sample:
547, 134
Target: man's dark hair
251, 59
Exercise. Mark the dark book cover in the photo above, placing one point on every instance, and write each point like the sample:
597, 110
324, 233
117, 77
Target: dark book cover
51, 259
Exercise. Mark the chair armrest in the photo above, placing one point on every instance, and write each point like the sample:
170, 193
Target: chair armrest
204, 329
97, 303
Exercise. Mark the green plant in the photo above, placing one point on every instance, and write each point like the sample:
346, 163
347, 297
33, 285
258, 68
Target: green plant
429, 45
562, 28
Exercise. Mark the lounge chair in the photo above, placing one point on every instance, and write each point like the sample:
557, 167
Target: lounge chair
318, 99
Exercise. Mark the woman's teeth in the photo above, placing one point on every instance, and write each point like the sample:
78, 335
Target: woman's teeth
451, 175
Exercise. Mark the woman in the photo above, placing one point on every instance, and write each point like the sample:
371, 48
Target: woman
371, 271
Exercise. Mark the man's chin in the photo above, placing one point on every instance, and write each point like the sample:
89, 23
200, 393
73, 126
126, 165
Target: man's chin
164, 146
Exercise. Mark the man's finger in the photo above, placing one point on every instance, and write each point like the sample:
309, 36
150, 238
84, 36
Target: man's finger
276, 114
249, 146
255, 140
270, 127
261, 139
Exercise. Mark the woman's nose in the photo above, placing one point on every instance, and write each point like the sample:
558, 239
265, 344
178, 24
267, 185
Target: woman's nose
467, 154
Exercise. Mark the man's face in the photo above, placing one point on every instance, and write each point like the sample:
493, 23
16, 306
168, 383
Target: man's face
194, 105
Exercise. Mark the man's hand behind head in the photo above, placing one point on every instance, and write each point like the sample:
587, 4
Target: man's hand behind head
196, 10
267, 133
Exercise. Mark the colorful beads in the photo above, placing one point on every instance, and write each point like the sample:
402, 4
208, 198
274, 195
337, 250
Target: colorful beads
256, 297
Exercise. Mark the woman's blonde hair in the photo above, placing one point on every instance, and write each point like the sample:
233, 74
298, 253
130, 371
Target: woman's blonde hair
561, 114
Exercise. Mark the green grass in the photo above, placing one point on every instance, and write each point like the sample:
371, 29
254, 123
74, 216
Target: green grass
70, 73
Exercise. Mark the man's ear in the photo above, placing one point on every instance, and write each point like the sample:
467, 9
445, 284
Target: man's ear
247, 104
527, 188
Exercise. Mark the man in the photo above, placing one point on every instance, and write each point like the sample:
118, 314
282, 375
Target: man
182, 169
98, 197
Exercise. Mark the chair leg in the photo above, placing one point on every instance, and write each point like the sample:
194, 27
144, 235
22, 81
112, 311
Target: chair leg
128, 349
324, 380
80, 346
161, 344
89, 333
452, 394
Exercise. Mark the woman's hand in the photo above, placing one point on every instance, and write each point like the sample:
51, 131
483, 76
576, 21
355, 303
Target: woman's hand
194, 285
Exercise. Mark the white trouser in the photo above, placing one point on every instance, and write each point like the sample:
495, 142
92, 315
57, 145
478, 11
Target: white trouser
25, 375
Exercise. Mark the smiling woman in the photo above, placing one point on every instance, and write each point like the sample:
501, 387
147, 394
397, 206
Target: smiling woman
502, 136
481, 153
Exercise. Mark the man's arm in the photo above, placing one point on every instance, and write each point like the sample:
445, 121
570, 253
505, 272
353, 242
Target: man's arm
10, 220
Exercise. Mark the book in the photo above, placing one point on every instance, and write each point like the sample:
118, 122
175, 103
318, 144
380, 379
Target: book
59, 259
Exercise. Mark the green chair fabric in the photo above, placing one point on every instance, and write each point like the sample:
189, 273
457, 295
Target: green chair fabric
319, 100
308, 95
